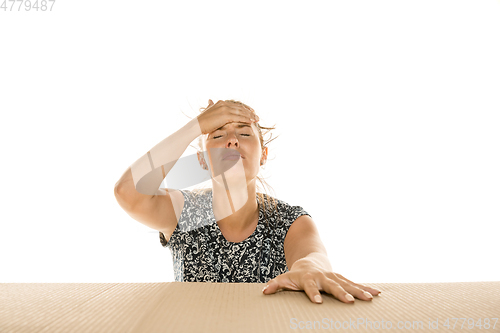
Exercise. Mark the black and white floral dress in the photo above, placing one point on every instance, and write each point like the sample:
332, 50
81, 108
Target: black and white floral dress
200, 253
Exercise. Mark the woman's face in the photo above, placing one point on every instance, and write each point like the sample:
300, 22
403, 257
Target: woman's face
240, 137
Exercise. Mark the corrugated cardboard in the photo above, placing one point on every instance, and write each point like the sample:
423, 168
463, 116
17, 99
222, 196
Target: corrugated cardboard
242, 307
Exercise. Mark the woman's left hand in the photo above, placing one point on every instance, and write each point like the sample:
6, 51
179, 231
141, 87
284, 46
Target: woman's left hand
312, 280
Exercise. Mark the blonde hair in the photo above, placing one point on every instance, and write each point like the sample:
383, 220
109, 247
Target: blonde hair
263, 144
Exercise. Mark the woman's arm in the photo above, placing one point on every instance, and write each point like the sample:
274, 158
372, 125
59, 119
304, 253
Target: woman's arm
145, 175
303, 239
310, 270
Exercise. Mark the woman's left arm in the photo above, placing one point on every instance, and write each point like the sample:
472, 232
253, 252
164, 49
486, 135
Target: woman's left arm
310, 269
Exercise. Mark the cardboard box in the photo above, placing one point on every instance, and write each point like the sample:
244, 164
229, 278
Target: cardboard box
242, 307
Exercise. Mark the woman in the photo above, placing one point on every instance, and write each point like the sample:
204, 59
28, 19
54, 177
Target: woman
223, 234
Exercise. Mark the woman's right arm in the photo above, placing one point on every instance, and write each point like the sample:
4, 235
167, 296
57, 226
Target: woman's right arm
137, 191
143, 178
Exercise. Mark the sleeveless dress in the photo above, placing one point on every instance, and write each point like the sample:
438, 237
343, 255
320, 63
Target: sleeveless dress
201, 253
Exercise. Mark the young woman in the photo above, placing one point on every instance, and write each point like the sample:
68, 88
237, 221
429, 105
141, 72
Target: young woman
230, 233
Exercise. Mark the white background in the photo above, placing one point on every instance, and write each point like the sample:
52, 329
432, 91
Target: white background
387, 111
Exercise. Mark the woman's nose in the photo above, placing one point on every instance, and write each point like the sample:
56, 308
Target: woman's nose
232, 141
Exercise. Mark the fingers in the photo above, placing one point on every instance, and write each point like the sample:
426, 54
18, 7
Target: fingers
272, 287
342, 290
357, 292
247, 111
336, 290
312, 291
313, 285
372, 291
252, 114
244, 117
210, 104
268, 291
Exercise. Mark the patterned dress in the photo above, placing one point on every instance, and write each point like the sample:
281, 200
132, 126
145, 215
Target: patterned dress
201, 253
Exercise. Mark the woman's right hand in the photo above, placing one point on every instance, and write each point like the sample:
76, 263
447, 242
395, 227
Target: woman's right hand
221, 113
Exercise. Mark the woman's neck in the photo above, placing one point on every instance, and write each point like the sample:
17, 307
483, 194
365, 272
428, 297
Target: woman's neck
235, 209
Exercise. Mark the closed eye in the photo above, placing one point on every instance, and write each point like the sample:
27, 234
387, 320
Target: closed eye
215, 137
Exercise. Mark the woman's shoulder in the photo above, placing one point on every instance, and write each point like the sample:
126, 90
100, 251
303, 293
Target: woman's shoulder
288, 212
273, 201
